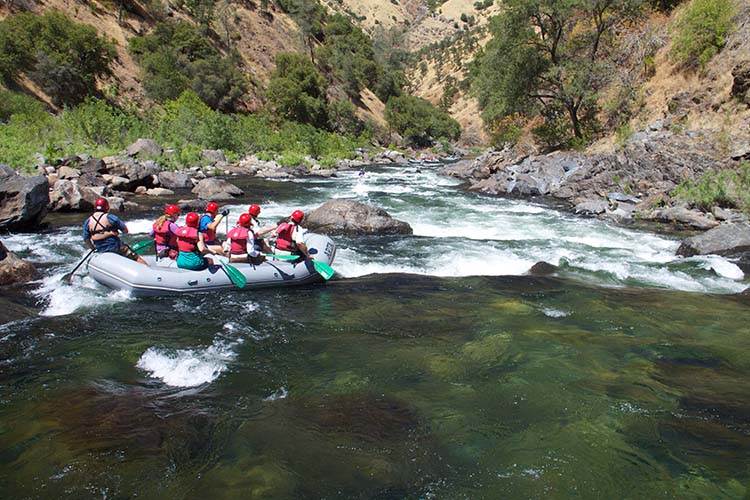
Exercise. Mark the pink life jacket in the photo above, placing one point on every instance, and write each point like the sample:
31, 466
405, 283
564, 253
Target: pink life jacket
284, 237
164, 236
187, 239
239, 236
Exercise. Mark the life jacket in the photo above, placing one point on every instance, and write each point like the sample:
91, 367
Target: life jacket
284, 239
164, 236
209, 234
187, 239
239, 237
100, 228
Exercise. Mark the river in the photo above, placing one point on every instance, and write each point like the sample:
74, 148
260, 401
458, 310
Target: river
432, 367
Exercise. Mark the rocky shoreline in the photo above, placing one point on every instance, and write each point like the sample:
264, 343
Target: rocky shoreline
631, 184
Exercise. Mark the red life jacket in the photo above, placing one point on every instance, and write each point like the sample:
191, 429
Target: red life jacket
187, 239
100, 228
284, 237
164, 236
209, 234
239, 237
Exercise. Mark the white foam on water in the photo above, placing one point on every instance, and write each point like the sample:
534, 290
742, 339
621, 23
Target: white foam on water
721, 266
281, 393
554, 313
187, 367
62, 299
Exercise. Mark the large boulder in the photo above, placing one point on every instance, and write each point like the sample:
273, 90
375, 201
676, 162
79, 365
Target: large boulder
175, 180
741, 82
144, 148
68, 196
727, 239
23, 200
138, 173
353, 218
15, 270
216, 189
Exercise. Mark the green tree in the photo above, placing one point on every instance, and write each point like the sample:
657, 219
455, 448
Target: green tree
297, 91
62, 56
700, 32
419, 122
550, 58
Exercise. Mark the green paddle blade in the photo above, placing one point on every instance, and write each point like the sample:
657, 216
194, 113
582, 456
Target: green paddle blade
235, 275
141, 246
281, 257
324, 269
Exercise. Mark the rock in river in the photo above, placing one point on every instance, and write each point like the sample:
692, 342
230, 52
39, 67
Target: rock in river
351, 217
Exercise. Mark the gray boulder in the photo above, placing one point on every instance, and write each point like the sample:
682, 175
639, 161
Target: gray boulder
93, 166
175, 180
216, 189
67, 196
144, 148
214, 156
23, 200
353, 218
684, 217
15, 270
138, 173
592, 207
727, 239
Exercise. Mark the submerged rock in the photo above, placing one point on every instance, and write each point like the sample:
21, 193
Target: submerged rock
353, 218
542, 268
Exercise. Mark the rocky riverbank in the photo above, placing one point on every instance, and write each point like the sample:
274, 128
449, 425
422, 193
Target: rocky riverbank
635, 182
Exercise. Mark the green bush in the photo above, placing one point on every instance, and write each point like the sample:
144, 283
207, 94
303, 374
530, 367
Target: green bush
723, 188
700, 32
297, 91
419, 122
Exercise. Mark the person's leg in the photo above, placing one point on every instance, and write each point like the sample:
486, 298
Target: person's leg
128, 252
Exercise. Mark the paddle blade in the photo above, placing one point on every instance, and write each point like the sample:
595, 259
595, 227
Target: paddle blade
324, 269
281, 257
235, 275
141, 246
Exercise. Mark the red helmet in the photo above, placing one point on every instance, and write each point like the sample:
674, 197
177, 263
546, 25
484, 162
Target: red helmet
297, 216
172, 210
102, 204
212, 207
191, 219
254, 210
244, 220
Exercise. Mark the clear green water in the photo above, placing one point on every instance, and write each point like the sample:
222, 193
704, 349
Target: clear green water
386, 387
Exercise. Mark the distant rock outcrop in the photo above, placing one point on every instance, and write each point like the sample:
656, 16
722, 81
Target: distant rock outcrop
353, 218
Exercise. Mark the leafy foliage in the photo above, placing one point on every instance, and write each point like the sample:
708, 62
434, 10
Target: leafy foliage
700, 32
419, 122
723, 188
297, 91
549, 58
62, 56
177, 57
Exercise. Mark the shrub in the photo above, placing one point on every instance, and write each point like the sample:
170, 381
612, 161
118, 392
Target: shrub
700, 32
723, 188
297, 91
418, 121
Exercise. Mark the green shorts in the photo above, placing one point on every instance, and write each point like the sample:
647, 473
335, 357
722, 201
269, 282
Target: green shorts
192, 261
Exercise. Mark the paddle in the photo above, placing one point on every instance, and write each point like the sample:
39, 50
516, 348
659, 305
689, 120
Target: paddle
235, 275
322, 268
141, 246
69, 276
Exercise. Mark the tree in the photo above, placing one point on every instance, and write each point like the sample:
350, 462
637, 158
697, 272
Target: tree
297, 91
550, 58
418, 121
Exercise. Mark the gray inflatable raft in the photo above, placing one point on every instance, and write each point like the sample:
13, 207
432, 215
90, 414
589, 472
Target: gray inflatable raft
163, 277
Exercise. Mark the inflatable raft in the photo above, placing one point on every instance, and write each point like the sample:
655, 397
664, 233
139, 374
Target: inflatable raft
163, 277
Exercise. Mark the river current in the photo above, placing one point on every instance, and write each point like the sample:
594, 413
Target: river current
432, 366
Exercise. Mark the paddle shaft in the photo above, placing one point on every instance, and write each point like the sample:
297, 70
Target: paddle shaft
69, 276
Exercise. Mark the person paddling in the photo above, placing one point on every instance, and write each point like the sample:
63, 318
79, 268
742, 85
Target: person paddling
209, 222
101, 232
258, 232
290, 236
191, 245
164, 231
241, 243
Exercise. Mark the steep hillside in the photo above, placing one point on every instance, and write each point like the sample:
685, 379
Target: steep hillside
256, 35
